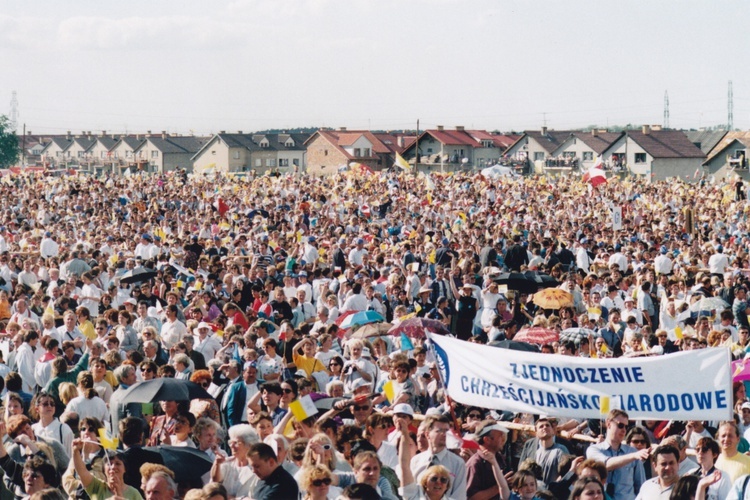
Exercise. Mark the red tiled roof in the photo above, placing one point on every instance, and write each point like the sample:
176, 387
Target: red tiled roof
348, 137
454, 138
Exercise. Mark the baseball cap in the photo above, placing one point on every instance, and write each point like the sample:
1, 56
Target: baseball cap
745, 406
489, 428
405, 408
131, 301
203, 324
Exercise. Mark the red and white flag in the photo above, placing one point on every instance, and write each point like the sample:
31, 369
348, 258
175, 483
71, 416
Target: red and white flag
595, 177
220, 206
365, 210
599, 163
697, 173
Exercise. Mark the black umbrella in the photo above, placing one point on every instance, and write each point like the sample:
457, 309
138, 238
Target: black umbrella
542, 280
326, 403
188, 464
138, 275
517, 281
514, 346
165, 389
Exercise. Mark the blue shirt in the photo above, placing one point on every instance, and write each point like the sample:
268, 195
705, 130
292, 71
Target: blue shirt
627, 480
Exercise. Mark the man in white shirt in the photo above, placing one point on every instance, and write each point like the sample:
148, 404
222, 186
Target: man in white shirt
48, 247
356, 301
173, 329
662, 262
718, 262
437, 429
665, 460
357, 253
205, 343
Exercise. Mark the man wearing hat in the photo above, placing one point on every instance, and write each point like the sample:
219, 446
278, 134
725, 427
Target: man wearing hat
423, 305
205, 343
491, 437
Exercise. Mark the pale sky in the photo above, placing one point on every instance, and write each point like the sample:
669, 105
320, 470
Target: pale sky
205, 66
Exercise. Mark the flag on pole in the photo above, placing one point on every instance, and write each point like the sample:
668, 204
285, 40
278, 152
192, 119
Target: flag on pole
595, 177
401, 162
221, 206
599, 163
303, 408
389, 392
697, 172
107, 441
406, 343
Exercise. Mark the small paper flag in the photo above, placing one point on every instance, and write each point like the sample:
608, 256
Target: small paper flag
388, 391
604, 405
406, 343
108, 442
303, 408
678, 333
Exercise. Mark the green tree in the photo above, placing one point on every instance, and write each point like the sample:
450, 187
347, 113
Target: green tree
9, 150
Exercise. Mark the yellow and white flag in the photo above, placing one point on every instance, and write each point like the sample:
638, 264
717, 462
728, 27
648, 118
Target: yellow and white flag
303, 408
402, 163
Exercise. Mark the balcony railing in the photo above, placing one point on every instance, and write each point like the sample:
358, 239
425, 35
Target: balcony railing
561, 163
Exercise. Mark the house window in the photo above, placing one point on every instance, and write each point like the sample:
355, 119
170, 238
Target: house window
80, 154
128, 154
366, 152
58, 154
640, 157
264, 144
289, 143
588, 155
429, 151
486, 144
283, 162
357, 152
258, 162
213, 152
325, 152
538, 156
154, 154
236, 155
270, 162
116, 155
103, 154
295, 162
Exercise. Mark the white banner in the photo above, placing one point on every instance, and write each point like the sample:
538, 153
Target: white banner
693, 385
616, 218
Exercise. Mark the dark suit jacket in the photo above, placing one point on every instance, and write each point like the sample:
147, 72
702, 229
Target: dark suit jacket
133, 458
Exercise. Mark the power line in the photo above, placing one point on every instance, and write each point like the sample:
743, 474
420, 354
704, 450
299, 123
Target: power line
730, 107
666, 110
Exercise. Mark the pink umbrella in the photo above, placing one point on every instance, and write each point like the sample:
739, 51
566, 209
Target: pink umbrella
740, 370
537, 335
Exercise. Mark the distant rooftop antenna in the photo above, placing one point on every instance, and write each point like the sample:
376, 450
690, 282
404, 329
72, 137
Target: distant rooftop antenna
666, 109
13, 112
730, 107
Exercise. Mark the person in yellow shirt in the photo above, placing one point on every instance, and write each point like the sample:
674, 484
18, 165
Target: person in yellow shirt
731, 461
84, 323
304, 358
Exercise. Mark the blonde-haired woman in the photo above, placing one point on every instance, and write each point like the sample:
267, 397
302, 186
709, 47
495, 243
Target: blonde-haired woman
315, 483
320, 451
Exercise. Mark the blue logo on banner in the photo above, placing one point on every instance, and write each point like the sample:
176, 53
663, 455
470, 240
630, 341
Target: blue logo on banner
442, 363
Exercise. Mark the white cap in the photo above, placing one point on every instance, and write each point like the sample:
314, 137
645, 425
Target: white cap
203, 324
490, 428
403, 408
131, 301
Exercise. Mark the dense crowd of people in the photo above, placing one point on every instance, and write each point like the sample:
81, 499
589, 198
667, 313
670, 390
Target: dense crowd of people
244, 287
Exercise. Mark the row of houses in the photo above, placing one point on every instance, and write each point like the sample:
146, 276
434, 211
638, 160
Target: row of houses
650, 151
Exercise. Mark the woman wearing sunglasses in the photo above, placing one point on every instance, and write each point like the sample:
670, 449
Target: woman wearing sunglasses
315, 483
434, 482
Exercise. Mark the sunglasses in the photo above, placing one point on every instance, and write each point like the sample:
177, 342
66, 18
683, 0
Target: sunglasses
620, 425
148, 370
287, 391
87, 429
361, 408
638, 441
48, 404
334, 364
441, 479
475, 415
702, 449
320, 482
